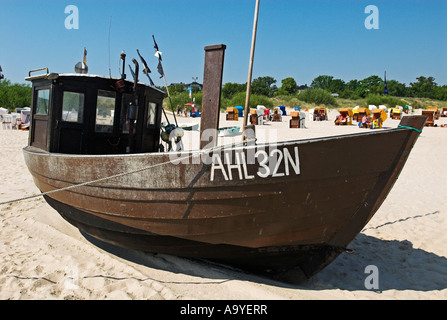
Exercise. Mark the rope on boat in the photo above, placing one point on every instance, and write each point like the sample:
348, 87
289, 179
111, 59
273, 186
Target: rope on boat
405, 127
128, 172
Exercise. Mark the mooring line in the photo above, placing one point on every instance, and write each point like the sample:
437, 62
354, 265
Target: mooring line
216, 148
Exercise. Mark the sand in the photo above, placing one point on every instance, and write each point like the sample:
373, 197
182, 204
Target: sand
44, 257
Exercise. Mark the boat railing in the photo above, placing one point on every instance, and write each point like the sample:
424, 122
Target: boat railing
40, 69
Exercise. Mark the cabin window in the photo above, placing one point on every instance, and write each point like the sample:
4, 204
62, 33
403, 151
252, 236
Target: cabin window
105, 111
151, 114
43, 101
73, 107
126, 100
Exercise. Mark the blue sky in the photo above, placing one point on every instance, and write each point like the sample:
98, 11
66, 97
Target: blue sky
299, 39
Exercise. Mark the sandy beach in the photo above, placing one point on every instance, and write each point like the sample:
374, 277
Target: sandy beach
44, 257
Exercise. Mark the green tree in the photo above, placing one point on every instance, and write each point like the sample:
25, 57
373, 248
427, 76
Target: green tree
336, 86
371, 81
263, 86
371, 85
349, 94
317, 96
322, 82
281, 92
15, 95
288, 85
395, 88
441, 93
352, 85
230, 89
176, 88
180, 98
424, 87
239, 100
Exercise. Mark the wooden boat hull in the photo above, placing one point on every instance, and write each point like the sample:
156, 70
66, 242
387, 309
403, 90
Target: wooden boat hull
287, 209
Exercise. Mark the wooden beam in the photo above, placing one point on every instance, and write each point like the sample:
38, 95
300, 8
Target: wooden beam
212, 87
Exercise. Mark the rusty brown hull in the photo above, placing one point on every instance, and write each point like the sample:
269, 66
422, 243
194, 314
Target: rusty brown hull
268, 208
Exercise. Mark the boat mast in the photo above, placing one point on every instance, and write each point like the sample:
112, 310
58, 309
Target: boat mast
250, 68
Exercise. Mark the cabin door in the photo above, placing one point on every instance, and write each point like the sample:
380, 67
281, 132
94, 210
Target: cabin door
41, 109
70, 122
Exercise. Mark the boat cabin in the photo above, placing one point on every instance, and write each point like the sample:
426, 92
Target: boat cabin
88, 114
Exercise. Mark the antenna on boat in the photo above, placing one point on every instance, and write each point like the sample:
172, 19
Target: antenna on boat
160, 70
110, 27
250, 68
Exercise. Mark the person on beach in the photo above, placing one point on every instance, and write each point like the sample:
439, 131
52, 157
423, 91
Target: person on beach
340, 120
365, 122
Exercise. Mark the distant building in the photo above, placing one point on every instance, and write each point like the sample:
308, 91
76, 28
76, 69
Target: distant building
194, 85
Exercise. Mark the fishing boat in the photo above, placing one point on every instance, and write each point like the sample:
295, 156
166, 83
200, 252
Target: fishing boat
277, 209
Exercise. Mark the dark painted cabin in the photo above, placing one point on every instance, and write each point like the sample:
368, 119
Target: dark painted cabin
86, 114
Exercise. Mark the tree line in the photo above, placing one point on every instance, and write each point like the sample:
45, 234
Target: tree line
424, 87
264, 89
15, 95
322, 89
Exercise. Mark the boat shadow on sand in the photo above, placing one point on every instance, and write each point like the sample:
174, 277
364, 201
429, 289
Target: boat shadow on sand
399, 266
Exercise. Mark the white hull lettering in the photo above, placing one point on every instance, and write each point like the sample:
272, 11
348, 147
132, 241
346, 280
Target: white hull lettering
277, 163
